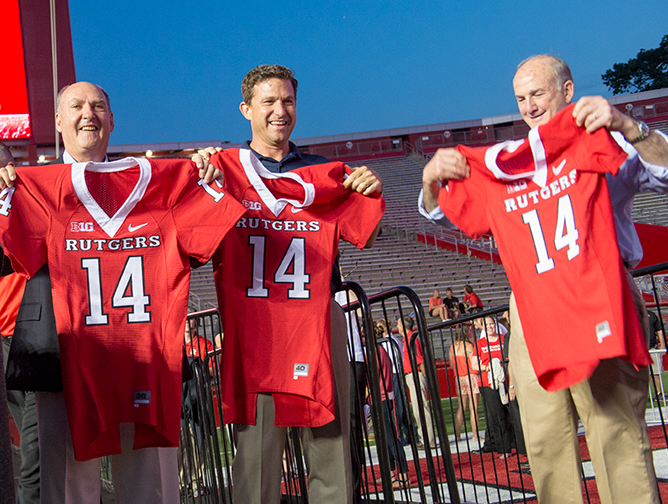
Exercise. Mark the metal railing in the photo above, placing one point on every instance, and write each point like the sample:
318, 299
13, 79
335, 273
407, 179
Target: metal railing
436, 474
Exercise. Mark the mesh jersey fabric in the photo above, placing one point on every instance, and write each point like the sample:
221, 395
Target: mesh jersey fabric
546, 201
272, 275
120, 286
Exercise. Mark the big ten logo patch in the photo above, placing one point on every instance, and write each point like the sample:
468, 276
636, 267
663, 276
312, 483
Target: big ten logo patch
300, 370
252, 205
81, 227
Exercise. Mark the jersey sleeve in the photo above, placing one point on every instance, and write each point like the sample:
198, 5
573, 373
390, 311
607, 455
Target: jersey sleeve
600, 150
356, 214
24, 223
464, 202
203, 213
359, 217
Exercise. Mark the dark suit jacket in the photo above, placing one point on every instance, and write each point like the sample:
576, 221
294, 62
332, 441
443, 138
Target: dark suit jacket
34, 358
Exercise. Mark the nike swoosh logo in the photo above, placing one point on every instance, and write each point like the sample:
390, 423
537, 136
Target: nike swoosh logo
558, 169
132, 228
295, 210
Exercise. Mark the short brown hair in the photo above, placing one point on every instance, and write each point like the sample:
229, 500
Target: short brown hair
262, 73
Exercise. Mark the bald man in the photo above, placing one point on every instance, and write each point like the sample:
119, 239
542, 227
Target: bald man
85, 121
611, 403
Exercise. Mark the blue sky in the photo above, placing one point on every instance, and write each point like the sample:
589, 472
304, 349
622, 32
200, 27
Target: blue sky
174, 69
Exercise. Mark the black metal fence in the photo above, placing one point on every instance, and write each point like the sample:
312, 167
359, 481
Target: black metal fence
395, 456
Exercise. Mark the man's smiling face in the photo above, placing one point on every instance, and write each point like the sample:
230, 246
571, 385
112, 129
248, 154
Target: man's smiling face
85, 120
273, 115
537, 92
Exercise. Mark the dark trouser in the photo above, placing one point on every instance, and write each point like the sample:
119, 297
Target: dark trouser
498, 421
397, 455
514, 408
22, 407
402, 419
357, 422
6, 475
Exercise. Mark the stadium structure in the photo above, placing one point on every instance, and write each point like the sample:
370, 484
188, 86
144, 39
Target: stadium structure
410, 251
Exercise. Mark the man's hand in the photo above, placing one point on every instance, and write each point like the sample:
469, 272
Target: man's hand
595, 112
447, 164
7, 176
511, 394
364, 180
206, 171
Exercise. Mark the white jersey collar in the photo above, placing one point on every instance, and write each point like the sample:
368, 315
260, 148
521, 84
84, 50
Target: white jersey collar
110, 225
538, 175
256, 172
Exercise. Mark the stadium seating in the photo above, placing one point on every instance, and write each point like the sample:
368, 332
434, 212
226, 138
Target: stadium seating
398, 258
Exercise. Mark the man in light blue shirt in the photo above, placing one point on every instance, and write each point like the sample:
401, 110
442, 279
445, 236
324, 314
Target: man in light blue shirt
612, 402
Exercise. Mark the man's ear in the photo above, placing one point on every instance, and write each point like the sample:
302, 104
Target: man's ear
569, 90
245, 110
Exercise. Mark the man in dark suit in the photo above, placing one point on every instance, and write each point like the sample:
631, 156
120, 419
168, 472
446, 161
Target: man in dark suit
85, 120
21, 403
6, 472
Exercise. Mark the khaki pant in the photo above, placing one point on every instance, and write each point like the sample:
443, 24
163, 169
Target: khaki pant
410, 383
611, 405
256, 470
145, 476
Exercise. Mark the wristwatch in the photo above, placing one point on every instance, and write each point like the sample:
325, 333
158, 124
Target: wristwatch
643, 132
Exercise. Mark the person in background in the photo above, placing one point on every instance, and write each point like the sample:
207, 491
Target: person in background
468, 391
657, 341
398, 463
416, 380
21, 404
489, 362
455, 308
437, 308
395, 350
471, 300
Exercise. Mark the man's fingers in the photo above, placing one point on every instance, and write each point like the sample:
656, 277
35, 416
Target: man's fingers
363, 180
7, 176
211, 173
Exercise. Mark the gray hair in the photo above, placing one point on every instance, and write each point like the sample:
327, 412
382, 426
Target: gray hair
559, 67
59, 97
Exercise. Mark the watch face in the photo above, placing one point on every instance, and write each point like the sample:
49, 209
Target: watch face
643, 132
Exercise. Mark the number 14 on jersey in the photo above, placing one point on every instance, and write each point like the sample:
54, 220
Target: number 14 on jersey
566, 234
295, 257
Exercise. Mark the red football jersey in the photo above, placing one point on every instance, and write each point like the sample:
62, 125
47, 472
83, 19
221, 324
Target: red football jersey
546, 201
419, 359
120, 284
486, 351
273, 274
11, 292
